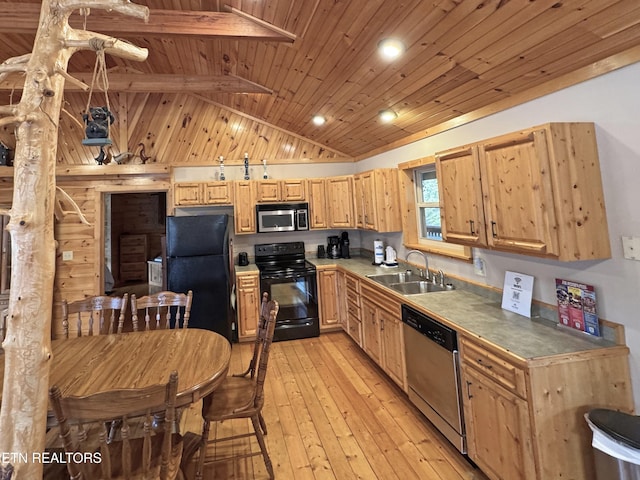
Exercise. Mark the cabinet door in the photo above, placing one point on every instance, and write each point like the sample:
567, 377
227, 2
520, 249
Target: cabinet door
340, 202
327, 286
460, 193
358, 200
293, 191
218, 193
371, 331
370, 221
268, 191
248, 298
393, 360
498, 429
187, 194
519, 206
342, 299
318, 203
244, 207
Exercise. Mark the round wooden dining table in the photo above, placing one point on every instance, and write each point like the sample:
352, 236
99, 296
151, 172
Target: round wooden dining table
86, 365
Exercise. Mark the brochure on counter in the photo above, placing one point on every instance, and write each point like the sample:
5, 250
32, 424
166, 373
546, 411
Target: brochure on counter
577, 306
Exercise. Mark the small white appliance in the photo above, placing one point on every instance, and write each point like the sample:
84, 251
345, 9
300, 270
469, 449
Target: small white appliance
390, 256
378, 252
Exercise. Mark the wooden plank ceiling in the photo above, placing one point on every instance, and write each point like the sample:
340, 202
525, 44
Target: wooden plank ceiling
294, 59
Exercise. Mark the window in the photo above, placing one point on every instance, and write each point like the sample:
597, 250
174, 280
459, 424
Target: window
428, 204
421, 228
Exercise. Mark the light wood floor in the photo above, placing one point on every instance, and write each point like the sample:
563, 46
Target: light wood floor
331, 413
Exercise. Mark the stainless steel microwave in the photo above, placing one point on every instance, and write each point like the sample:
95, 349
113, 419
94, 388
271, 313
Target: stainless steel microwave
282, 217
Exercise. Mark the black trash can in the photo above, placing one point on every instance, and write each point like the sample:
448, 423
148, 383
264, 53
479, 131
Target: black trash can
616, 440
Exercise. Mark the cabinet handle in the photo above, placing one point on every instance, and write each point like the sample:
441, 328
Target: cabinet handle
485, 365
473, 232
469, 396
382, 324
493, 229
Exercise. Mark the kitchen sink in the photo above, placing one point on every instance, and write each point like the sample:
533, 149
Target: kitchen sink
414, 288
398, 277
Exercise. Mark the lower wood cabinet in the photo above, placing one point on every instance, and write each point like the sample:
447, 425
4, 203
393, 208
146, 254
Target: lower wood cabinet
247, 305
328, 299
352, 323
382, 336
525, 418
499, 437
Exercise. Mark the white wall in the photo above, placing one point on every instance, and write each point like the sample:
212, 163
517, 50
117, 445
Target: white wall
612, 102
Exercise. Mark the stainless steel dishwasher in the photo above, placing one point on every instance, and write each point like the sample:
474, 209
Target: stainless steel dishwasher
433, 373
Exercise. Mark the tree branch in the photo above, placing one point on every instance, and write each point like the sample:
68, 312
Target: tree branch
14, 64
80, 40
72, 79
8, 110
60, 212
121, 6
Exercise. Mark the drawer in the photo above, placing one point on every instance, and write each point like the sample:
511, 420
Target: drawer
247, 281
353, 297
355, 329
134, 267
353, 284
493, 366
353, 309
140, 250
133, 240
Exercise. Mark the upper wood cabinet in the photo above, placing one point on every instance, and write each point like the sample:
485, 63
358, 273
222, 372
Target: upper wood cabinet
186, 194
537, 192
244, 212
218, 193
318, 217
290, 190
203, 193
377, 200
340, 202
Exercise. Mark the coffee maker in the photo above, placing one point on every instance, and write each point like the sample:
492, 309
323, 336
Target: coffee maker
344, 245
333, 246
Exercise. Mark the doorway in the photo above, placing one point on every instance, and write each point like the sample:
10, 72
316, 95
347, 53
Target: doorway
134, 231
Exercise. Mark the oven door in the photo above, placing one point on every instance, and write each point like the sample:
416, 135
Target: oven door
297, 298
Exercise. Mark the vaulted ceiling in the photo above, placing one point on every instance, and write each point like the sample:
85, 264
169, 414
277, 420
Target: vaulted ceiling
281, 62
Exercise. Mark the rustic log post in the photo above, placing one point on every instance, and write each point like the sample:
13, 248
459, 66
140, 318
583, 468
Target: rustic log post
27, 346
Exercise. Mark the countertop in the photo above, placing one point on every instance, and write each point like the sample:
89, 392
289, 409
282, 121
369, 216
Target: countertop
479, 316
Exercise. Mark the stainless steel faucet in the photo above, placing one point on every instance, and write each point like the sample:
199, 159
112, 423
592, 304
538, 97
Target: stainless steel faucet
426, 274
439, 278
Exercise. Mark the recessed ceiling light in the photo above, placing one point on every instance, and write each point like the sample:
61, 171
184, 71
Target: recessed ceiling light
391, 48
387, 116
319, 120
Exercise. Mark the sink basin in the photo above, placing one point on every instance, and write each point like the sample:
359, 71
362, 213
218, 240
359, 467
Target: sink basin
414, 288
389, 278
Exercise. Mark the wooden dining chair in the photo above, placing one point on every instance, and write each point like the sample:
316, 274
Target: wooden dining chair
167, 309
108, 312
151, 455
3, 325
242, 396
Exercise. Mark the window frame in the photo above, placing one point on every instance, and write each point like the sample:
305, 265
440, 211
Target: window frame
411, 223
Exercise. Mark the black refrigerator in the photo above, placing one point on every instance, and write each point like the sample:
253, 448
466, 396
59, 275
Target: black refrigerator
197, 254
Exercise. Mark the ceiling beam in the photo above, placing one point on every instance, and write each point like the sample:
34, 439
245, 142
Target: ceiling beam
156, 83
23, 18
